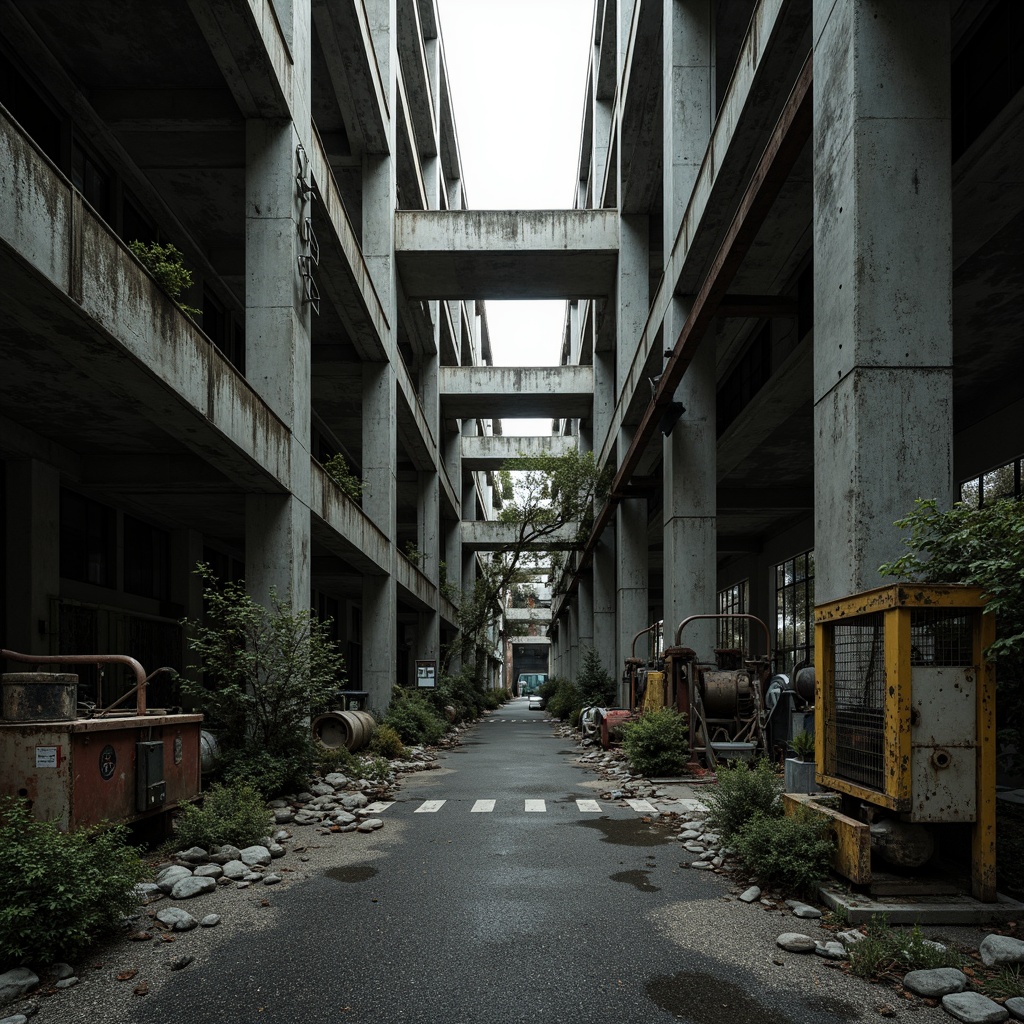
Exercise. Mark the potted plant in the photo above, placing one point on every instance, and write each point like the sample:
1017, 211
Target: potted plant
800, 769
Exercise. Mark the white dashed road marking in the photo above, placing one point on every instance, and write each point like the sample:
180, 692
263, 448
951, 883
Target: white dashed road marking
642, 805
482, 807
536, 805
430, 807
378, 807
588, 805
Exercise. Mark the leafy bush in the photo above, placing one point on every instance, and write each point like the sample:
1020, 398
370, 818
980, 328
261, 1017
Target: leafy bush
167, 265
413, 717
62, 890
264, 670
792, 851
743, 790
234, 814
565, 701
337, 759
338, 470
657, 743
386, 742
270, 774
886, 950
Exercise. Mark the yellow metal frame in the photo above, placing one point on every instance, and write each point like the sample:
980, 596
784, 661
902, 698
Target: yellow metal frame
896, 604
851, 857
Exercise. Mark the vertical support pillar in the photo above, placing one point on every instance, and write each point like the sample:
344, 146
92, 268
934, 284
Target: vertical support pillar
883, 279
277, 549
604, 603
689, 470
585, 597
32, 555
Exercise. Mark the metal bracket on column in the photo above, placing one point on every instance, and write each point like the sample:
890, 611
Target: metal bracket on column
310, 255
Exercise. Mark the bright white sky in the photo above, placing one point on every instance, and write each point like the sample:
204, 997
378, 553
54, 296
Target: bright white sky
518, 70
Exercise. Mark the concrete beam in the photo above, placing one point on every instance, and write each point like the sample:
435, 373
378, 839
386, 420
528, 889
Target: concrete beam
496, 452
245, 39
529, 392
490, 535
507, 254
527, 614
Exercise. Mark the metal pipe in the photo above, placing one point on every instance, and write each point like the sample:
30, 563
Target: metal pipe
730, 615
92, 659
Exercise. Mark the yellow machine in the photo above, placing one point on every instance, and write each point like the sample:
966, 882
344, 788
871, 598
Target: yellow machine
905, 722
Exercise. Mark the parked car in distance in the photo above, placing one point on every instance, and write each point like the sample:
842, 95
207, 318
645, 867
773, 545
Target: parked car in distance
530, 682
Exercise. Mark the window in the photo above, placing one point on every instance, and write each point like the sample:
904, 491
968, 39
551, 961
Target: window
88, 540
91, 180
147, 559
1002, 482
734, 600
794, 612
750, 374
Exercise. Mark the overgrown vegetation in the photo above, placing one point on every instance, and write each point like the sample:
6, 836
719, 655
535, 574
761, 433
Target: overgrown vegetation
262, 672
657, 743
62, 890
802, 745
891, 952
386, 742
413, 718
562, 697
234, 814
338, 470
743, 791
167, 266
790, 851
983, 547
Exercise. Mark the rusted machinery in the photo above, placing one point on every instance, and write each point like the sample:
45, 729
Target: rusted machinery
723, 700
78, 766
905, 729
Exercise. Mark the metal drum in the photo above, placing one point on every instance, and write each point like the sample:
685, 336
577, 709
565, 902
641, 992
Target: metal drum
40, 696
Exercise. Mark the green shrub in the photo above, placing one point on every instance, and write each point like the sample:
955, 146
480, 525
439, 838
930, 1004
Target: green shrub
61, 890
566, 700
792, 851
338, 470
270, 774
595, 684
886, 950
657, 743
234, 814
386, 742
743, 790
337, 759
167, 265
414, 718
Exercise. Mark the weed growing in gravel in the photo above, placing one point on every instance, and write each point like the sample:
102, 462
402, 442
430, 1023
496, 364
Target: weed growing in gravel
895, 951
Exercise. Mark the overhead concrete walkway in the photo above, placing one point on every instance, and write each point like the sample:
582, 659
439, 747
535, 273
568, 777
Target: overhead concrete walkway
490, 535
507, 254
521, 392
490, 453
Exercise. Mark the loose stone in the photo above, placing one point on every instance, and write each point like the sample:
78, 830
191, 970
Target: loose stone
189, 888
271, 879
255, 855
213, 871
370, 825
973, 1008
830, 950
177, 919
802, 910
795, 942
935, 983
1001, 949
66, 983
751, 894
169, 877
210, 921
1014, 1005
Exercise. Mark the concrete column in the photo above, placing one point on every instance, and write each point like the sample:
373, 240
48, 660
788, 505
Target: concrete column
633, 291
689, 470
632, 576
277, 549
572, 623
585, 597
380, 613
604, 602
882, 282
32, 556
428, 640
186, 586
604, 397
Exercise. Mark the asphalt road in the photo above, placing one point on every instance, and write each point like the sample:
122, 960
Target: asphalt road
464, 916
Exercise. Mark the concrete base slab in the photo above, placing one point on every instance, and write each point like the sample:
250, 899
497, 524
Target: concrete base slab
962, 909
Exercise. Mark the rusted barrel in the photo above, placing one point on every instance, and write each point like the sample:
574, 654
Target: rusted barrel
40, 696
350, 729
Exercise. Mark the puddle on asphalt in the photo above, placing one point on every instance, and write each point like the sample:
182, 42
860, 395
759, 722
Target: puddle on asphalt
713, 1000
637, 879
627, 832
351, 873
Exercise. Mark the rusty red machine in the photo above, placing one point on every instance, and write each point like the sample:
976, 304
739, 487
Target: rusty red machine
79, 765
723, 699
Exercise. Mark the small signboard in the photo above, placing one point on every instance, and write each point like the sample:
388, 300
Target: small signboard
47, 757
426, 675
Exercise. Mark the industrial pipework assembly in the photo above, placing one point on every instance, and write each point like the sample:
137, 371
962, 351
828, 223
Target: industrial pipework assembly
79, 766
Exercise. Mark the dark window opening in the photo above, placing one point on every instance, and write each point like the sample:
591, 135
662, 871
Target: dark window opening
147, 560
750, 374
31, 111
91, 180
88, 540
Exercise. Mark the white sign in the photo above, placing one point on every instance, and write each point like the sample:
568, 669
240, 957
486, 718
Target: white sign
47, 757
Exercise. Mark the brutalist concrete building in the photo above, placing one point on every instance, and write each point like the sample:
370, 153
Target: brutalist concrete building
792, 277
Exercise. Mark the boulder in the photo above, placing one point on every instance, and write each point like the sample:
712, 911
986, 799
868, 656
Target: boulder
935, 983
